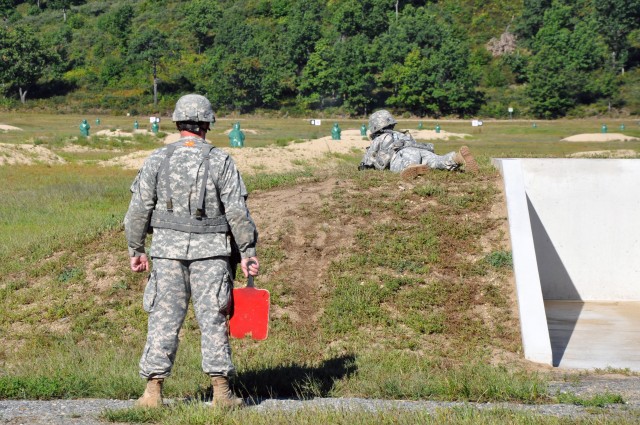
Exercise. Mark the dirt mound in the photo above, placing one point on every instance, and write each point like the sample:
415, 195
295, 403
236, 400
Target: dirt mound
268, 159
599, 137
432, 135
120, 133
4, 127
295, 156
85, 149
619, 153
11, 154
244, 130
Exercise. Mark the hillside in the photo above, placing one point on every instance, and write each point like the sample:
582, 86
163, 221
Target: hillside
359, 264
447, 58
380, 288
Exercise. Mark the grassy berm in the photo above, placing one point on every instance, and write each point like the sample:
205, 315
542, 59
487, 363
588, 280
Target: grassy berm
380, 288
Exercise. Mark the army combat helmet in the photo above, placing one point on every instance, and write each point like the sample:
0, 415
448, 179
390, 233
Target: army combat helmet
194, 108
379, 120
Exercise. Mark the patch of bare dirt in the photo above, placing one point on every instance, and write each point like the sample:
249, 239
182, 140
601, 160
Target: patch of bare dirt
84, 149
244, 130
618, 153
24, 154
271, 159
295, 156
599, 137
102, 271
5, 127
120, 133
292, 217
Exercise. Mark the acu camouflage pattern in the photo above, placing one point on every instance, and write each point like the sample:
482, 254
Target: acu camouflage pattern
379, 120
396, 150
172, 283
187, 264
225, 195
193, 107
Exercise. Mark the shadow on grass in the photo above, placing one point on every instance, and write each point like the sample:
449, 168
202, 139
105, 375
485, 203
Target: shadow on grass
293, 381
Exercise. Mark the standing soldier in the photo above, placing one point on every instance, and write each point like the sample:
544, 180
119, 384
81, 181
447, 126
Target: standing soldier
192, 197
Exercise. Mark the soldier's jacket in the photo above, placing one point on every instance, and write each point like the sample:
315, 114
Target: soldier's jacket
386, 144
225, 195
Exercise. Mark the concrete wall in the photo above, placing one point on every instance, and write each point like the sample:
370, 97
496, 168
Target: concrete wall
585, 223
575, 235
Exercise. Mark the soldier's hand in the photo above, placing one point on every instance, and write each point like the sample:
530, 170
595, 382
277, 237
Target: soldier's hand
253, 268
140, 264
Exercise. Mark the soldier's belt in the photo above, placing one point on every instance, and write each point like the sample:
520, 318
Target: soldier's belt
167, 220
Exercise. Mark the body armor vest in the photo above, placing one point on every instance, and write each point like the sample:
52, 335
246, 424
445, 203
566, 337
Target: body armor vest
197, 222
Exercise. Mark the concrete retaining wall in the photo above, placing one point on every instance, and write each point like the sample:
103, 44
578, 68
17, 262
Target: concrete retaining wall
575, 235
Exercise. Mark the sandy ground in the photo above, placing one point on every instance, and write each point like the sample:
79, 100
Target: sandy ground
273, 159
618, 153
11, 154
599, 137
120, 133
4, 127
290, 158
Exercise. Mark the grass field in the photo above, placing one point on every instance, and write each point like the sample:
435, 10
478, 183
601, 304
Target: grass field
413, 300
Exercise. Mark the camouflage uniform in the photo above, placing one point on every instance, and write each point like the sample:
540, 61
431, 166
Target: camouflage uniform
397, 150
189, 262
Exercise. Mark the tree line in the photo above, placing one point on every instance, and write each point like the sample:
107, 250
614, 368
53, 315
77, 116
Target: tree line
427, 58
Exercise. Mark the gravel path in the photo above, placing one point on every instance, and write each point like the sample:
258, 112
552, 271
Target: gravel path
87, 411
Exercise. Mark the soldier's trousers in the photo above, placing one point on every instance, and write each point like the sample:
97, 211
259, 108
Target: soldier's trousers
172, 283
415, 156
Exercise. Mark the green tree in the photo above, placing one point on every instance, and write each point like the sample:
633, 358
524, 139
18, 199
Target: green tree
438, 84
24, 59
5, 7
318, 78
301, 31
348, 17
353, 74
233, 81
277, 77
531, 20
63, 5
58, 42
552, 87
437, 79
563, 69
201, 18
118, 24
415, 28
152, 46
617, 19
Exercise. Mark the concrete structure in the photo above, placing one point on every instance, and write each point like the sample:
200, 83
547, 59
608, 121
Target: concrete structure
575, 236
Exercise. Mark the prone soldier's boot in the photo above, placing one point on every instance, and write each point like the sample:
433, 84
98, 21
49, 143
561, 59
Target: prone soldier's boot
222, 395
152, 397
413, 171
464, 158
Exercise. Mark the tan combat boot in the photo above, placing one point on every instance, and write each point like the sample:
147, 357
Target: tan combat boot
222, 395
413, 171
152, 397
464, 158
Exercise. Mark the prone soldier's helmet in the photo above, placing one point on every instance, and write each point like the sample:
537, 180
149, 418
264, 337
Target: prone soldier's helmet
379, 120
194, 108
